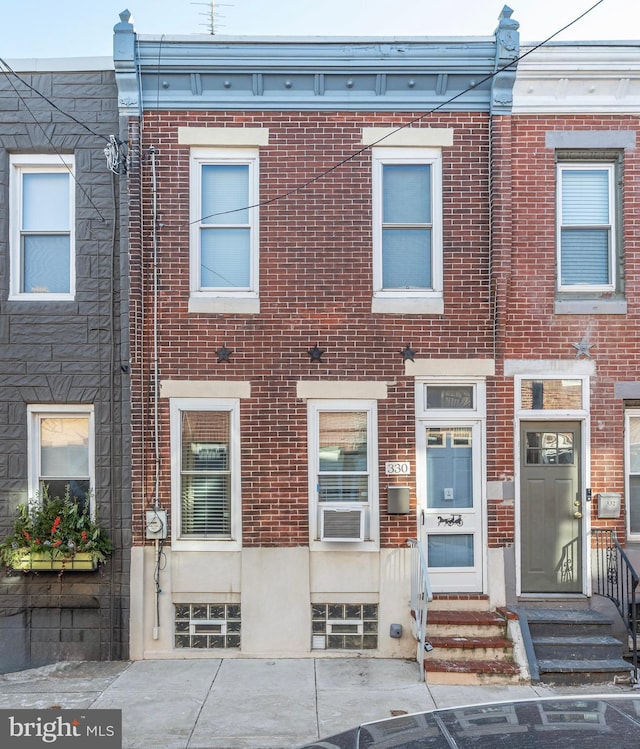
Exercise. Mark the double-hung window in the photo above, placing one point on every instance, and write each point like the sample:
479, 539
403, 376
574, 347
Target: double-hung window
42, 220
407, 229
224, 224
343, 471
61, 452
205, 471
587, 237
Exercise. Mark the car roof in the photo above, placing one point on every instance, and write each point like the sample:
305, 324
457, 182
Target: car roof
584, 721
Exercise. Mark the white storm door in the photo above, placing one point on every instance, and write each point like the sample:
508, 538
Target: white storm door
451, 507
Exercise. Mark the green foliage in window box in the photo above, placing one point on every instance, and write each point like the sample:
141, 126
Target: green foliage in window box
55, 533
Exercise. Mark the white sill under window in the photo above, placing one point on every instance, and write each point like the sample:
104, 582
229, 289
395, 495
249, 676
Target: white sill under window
204, 303
590, 306
385, 303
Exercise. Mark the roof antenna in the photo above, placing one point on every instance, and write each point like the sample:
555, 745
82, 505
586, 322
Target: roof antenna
211, 15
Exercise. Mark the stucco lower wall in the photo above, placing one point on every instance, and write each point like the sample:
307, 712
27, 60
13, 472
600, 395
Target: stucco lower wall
275, 587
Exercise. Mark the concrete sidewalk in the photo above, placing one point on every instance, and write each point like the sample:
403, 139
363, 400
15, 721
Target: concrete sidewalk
247, 703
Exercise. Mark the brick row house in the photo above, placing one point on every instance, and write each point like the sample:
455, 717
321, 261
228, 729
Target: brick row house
565, 260
64, 397
312, 333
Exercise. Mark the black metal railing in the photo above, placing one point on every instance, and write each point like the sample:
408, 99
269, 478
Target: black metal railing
617, 580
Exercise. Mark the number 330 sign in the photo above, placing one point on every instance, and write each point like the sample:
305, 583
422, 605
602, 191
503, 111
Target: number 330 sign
397, 468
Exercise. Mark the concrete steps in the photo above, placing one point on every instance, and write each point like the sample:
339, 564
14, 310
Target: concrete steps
469, 647
573, 647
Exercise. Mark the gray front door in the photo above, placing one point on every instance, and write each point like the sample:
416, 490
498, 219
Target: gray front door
550, 507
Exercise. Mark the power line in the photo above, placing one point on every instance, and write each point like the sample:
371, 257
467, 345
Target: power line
411, 122
50, 141
9, 69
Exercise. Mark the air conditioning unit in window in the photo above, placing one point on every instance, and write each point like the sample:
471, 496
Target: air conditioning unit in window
342, 523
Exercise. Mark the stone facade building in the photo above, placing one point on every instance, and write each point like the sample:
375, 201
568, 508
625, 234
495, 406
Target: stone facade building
64, 391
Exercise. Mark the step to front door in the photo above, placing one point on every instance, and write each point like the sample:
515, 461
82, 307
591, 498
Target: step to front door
469, 647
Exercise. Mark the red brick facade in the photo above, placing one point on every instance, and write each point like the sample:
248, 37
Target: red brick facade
315, 287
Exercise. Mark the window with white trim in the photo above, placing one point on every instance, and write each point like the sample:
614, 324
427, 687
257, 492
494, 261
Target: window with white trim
407, 223
588, 231
343, 472
61, 452
224, 222
42, 219
205, 450
632, 459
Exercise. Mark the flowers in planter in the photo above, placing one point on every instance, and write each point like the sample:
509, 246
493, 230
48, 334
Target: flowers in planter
57, 528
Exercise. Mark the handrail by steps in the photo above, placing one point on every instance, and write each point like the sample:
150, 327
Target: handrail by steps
421, 595
617, 580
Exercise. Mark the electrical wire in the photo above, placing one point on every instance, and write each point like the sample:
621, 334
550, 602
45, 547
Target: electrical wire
409, 123
9, 69
54, 148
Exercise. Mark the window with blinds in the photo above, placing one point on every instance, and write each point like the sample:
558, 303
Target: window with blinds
205, 474
343, 474
586, 230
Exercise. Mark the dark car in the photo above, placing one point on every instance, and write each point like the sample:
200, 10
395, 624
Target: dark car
588, 722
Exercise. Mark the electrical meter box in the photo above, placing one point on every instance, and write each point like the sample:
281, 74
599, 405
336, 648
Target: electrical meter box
156, 526
609, 505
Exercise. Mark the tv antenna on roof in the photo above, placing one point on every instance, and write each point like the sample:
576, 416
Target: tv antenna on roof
212, 15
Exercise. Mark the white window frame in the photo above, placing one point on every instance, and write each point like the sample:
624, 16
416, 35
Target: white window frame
190, 543
371, 540
630, 414
548, 414
223, 299
21, 164
35, 414
610, 169
404, 300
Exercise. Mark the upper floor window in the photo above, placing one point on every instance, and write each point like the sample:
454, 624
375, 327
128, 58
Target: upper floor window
42, 219
224, 223
61, 451
206, 471
587, 225
407, 224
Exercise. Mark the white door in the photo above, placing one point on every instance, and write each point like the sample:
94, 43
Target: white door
450, 508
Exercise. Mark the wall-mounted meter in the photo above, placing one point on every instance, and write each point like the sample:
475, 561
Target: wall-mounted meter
156, 526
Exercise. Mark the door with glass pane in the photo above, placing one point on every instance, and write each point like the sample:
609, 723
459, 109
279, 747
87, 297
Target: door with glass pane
451, 513
551, 510
632, 447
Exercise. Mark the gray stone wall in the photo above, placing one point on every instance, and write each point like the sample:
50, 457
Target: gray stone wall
71, 352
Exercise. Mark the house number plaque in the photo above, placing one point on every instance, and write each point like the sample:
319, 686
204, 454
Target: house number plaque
397, 468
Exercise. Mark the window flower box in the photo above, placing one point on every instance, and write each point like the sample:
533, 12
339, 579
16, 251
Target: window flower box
44, 561
55, 533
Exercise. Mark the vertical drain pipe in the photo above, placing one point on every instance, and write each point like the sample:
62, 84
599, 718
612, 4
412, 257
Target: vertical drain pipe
156, 389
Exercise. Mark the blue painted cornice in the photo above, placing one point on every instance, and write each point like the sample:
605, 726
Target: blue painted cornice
314, 73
